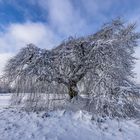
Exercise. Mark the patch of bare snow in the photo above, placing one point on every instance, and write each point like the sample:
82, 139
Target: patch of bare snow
63, 125
4, 99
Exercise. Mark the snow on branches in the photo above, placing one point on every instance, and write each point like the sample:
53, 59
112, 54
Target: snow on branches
100, 62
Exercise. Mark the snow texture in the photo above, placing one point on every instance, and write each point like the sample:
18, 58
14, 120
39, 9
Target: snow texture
17, 124
63, 125
4, 100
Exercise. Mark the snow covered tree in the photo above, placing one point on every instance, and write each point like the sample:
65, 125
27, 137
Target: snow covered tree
105, 59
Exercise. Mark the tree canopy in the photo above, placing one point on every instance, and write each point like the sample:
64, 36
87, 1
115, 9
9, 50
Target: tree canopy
101, 63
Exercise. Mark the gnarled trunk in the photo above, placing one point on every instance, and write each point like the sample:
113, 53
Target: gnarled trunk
72, 92
72, 89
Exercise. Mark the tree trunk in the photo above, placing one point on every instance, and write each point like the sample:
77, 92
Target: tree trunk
72, 91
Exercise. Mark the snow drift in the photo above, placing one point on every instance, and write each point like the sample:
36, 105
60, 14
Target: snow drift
64, 125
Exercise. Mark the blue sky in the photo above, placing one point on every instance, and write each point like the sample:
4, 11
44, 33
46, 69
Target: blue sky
48, 22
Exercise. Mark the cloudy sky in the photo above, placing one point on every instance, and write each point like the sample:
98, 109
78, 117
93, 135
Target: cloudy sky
48, 22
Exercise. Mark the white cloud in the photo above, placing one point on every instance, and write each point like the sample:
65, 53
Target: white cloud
18, 35
64, 17
96, 8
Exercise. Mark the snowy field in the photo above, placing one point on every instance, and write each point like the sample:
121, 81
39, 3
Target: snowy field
62, 125
4, 100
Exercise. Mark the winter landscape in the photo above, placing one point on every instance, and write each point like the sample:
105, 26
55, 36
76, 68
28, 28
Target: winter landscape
65, 76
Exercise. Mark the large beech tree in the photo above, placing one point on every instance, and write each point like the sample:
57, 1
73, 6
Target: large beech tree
106, 57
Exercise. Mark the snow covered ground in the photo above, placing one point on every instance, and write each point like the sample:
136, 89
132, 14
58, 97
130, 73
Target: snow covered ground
63, 125
4, 100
